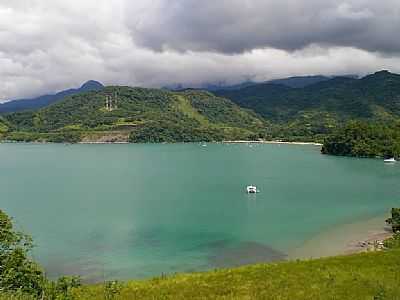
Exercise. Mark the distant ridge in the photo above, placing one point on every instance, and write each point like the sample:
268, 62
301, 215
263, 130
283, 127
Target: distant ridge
293, 82
303, 81
211, 87
319, 108
45, 100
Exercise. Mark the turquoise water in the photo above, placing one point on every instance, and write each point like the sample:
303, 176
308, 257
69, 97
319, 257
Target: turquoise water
134, 211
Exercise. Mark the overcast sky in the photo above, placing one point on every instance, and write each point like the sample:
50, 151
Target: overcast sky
50, 45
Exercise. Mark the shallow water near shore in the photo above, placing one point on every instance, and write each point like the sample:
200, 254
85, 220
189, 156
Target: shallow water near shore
136, 211
344, 239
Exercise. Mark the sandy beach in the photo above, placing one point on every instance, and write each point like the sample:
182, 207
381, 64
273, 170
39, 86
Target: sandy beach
345, 239
273, 142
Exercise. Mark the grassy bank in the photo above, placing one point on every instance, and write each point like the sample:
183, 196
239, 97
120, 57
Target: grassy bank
361, 276
373, 275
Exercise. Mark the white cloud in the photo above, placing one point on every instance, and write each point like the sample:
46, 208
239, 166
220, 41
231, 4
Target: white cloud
49, 45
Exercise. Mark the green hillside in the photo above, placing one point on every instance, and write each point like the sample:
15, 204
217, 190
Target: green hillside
136, 115
365, 139
319, 108
3, 126
268, 111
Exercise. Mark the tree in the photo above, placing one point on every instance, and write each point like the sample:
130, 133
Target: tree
17, 271
395, 219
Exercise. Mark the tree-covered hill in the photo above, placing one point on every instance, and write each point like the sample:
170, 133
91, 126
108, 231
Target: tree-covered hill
271, 111
363, 139
138, 115
3, 126
321, 107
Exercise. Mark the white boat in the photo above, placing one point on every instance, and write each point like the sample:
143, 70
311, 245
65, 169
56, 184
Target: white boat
390, 160
251, 189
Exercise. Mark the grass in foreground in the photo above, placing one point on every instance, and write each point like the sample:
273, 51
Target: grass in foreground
361, 276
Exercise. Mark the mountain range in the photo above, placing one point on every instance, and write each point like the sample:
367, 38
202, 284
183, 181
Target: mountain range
320, 107
45, 100
294, 82
92, 85
307, 112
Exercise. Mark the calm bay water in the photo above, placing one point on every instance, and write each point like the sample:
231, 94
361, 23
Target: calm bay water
134, 211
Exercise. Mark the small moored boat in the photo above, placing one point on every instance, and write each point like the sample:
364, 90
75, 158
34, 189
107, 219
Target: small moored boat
251, 189
390, 160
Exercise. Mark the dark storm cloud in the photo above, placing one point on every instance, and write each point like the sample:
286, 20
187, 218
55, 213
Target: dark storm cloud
234, 26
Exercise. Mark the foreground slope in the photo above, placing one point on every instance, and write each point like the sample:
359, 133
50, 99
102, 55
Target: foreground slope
372, 275
121, 114
361, 276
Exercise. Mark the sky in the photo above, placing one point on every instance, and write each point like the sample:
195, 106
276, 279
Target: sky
51, 45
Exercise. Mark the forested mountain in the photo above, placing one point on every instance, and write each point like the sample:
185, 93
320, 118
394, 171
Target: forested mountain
299, 81
136, 114
42, 101
365, 139
211, 87
318, 108
3, 126
268, 111
294, 82
303, 81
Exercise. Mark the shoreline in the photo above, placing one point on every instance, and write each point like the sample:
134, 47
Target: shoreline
102, 143
125, 143
273, 142
356, 237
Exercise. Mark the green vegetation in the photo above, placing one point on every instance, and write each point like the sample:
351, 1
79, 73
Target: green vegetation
393, 242
352, 117
20, 277
137, 115
373, 97
3, 127
394, 221
315, 111
17, 271
364, 139
53, 137
362, 276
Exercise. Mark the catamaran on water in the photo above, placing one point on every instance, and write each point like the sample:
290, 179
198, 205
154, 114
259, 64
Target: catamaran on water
251, 189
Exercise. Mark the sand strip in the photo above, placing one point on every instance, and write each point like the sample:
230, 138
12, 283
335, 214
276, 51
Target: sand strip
345, 239
272, 142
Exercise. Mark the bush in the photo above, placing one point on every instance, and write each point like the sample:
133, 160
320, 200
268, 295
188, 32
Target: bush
395, 219
62, 289
112, 289
17, 271
393, 242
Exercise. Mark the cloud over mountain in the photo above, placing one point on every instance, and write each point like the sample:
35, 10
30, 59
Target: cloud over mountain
50, 45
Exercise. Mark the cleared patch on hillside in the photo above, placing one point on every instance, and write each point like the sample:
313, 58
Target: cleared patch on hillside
184, 106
